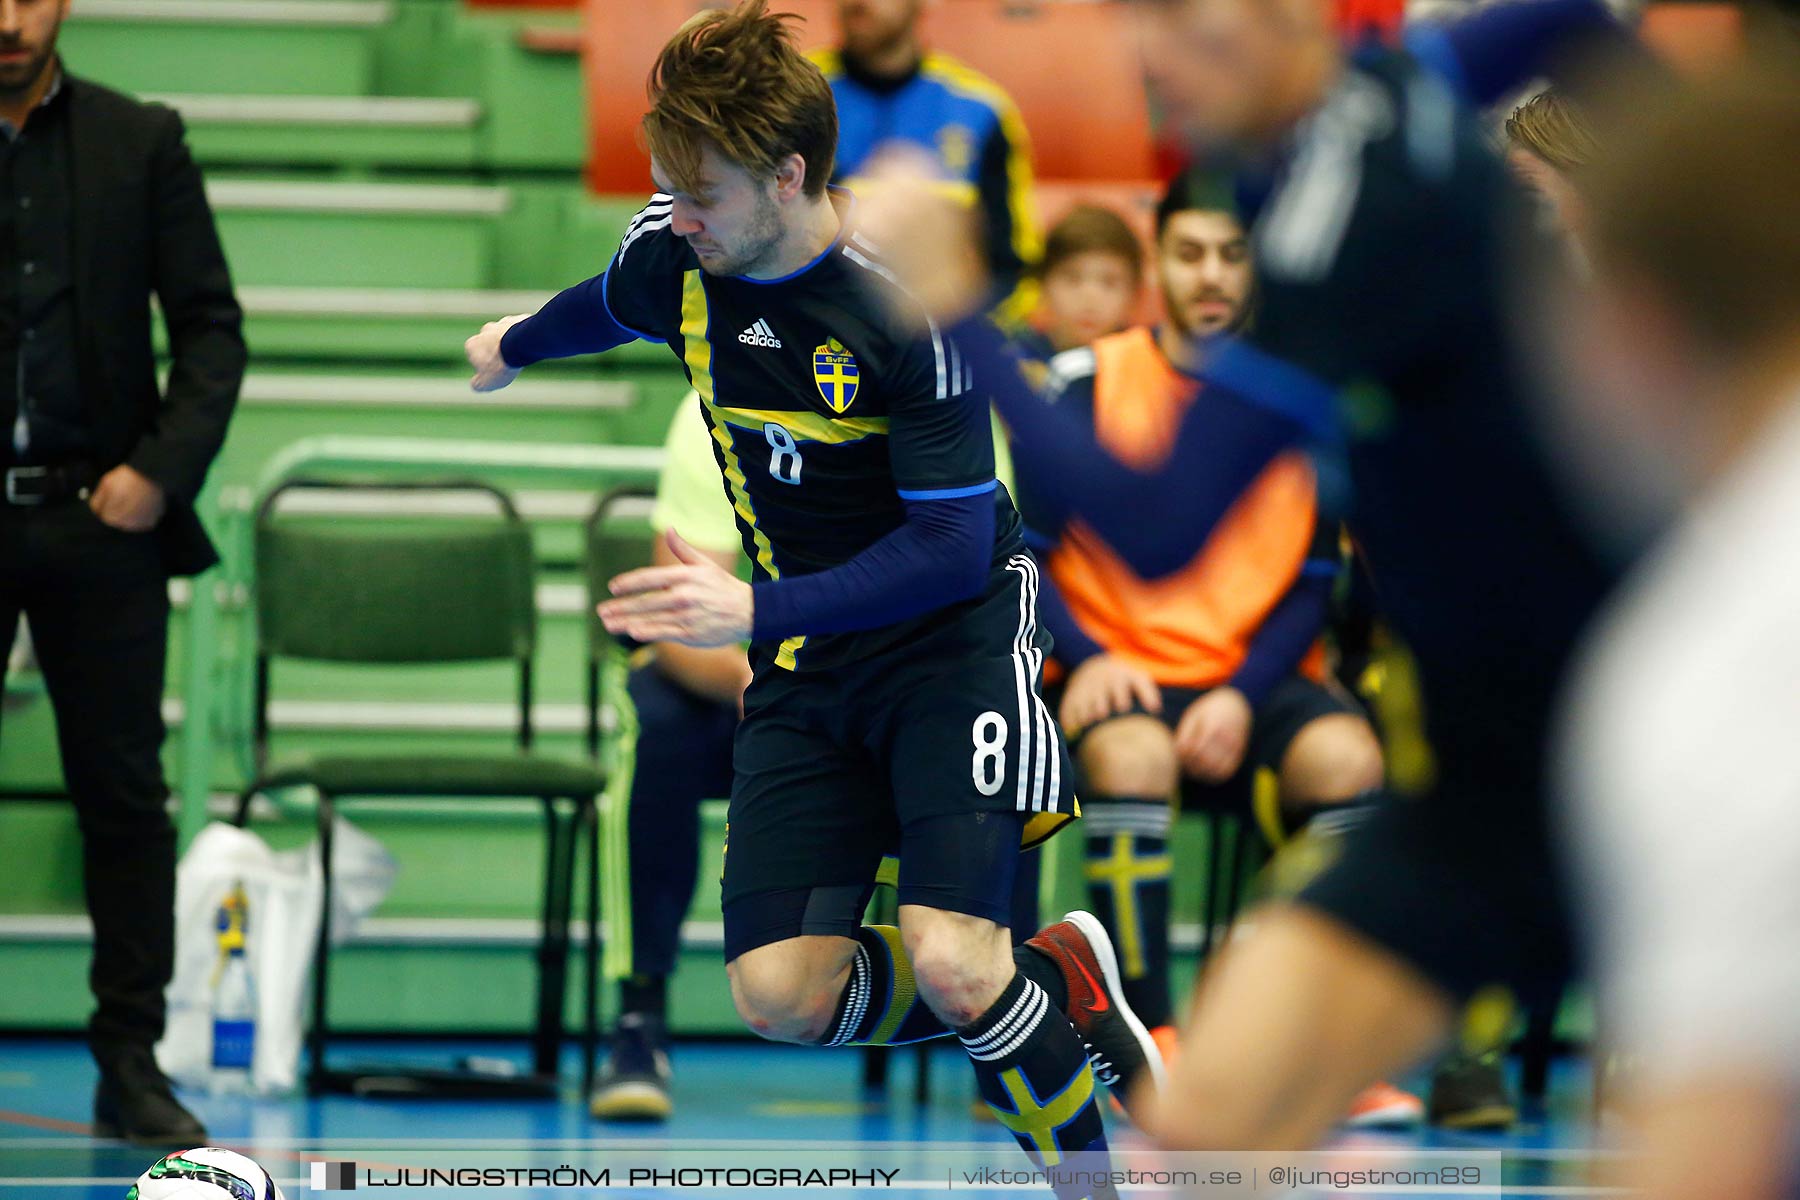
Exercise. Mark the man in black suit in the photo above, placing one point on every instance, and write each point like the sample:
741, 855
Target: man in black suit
100, 205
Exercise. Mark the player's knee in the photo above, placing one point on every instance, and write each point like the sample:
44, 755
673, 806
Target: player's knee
1130, 756
1331, 760
779, 999
960, 963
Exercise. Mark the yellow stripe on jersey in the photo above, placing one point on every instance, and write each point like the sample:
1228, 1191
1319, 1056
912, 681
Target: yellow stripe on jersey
697, 352
1026, 241
808, 426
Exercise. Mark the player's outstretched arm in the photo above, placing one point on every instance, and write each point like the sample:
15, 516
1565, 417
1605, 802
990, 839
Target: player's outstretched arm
931, 248
575, 321
1220, 448
1287, 633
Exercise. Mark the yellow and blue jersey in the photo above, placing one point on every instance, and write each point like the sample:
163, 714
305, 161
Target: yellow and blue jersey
973, 130
831, 402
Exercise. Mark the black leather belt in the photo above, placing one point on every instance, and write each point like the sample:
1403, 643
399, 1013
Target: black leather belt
34, 487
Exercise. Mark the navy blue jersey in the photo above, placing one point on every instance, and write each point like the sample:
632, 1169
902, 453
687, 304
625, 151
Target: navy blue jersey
828, 409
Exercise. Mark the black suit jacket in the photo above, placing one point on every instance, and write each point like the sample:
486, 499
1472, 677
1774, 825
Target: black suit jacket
142, 225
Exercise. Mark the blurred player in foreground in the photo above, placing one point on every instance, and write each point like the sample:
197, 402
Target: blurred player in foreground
894, 641
1681, 739
1380, 329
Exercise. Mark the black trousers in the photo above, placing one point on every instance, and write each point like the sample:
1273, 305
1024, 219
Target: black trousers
98, 603
683, 757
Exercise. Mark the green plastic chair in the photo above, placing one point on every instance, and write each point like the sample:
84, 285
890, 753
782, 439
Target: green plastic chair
617, 538
453, 589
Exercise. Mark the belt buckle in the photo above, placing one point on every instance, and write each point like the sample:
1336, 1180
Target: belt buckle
26, 500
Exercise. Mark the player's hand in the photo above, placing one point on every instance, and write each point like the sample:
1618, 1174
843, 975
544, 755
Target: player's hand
491, 371
1213, 735
1102, 686
698, 603
925, 237
128, 499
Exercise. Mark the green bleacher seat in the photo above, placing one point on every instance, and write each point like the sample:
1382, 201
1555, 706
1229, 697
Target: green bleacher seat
605, 404
293, 47
359, 234
391, 324
309, 389
401, 326
420, 775
360, 131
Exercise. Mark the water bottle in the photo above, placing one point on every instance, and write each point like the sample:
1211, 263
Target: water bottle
233, 1002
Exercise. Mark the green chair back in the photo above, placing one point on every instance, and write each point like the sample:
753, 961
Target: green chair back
406, 590
618, 539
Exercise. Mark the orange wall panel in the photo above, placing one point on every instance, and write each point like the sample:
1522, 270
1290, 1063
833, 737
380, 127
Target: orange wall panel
1071, 68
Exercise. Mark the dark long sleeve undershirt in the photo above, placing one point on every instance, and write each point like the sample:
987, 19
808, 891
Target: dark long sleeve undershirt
1155, 520
1287, 633
1281, 642
939, 557
574, 321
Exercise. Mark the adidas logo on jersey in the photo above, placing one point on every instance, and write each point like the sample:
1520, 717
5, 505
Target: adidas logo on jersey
760, 334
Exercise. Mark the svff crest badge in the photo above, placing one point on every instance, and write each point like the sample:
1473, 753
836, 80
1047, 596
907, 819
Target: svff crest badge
835, 371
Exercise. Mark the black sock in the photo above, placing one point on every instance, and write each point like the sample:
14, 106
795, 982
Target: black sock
1128, 871
1034, 1073
880, 1005
645, 994
1042, 970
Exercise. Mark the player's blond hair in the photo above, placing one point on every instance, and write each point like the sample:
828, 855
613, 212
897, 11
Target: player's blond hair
1553, 129
733, 79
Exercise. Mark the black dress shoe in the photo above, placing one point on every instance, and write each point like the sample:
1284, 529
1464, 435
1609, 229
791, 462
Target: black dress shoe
134, 1102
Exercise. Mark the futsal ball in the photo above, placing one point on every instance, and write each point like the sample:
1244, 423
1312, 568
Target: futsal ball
206, 1173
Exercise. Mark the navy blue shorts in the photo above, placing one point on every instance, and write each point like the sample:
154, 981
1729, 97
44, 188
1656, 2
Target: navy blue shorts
953, 761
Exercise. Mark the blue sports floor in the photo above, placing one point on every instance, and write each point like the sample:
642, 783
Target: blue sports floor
737, 1102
